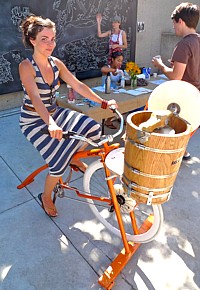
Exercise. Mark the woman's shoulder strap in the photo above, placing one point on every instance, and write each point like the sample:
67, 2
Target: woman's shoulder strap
30, 58
52, 61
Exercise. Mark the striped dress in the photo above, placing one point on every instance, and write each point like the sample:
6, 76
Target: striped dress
57, 154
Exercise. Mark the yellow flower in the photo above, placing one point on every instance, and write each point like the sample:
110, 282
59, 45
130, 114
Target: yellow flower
132, 68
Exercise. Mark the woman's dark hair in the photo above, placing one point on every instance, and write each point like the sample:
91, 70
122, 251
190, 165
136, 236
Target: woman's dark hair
116, 54
188, 12
31, 26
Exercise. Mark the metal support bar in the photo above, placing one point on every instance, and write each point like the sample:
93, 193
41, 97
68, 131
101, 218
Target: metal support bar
111, 273
103, 126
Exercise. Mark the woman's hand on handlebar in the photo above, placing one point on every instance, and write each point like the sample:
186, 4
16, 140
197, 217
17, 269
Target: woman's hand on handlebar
55, 131
112, 104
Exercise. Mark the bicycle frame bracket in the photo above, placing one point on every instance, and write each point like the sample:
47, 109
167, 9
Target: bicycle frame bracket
111, 273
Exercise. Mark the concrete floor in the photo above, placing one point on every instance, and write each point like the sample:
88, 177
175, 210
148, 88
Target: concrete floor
71, 251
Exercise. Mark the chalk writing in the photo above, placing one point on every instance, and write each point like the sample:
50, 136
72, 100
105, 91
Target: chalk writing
18, 14
5, 65
5, 73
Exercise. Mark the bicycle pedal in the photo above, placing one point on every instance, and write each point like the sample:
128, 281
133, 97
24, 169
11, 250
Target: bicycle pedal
58, 190
74, 167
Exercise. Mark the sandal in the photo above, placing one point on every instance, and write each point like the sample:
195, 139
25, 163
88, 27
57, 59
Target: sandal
82, 167
46, 208
187, 156
111, 126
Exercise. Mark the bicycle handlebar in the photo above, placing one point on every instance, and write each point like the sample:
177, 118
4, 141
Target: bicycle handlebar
107, 138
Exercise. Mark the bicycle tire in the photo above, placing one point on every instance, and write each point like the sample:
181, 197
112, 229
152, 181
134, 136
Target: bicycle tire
94, 183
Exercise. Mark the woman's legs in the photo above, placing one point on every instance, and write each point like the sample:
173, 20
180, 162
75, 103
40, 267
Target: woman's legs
77, 162
48, 204
51, 182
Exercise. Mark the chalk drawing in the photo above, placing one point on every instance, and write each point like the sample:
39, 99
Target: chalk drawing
77, 43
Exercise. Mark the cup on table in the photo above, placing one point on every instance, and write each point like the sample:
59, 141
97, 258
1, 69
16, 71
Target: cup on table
155, 75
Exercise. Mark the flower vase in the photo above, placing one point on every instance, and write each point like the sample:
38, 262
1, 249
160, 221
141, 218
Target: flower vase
134, 82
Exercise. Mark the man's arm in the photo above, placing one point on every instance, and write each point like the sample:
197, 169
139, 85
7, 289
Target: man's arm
176, 72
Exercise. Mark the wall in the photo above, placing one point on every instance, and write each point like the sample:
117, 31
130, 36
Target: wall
77, 42
156, 15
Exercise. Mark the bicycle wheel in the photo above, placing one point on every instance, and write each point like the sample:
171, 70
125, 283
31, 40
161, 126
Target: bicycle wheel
94, 182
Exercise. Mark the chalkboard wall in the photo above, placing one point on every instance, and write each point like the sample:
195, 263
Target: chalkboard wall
77, 42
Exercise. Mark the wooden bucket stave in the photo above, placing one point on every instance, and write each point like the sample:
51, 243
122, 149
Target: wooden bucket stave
152, 160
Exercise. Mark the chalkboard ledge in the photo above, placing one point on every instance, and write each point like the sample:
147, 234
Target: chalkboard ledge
88, 74
11, 100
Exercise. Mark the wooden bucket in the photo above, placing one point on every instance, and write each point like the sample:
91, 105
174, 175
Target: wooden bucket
152, 160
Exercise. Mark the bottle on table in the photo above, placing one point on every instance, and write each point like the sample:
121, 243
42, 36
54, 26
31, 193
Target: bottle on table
149, 71
127, 78
145, 72
71, 93
107, 83
71, 97
122, 84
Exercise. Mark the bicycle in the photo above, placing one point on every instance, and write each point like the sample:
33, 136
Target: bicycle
103, 191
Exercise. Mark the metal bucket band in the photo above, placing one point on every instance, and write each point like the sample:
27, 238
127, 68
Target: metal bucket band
150, 196
132, 184
136, 171
143, 147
